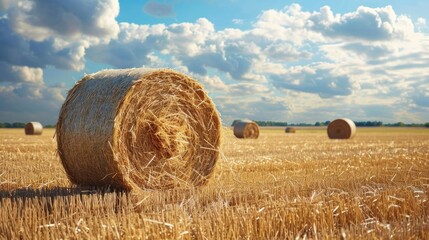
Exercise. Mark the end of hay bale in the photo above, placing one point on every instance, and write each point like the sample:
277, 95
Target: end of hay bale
33, 128
290, 130
138, 129
246, 129
342, 128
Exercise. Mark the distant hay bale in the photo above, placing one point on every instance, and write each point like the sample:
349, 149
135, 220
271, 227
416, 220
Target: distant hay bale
33, 128
341, 128
138, 129
290, 130
246, 129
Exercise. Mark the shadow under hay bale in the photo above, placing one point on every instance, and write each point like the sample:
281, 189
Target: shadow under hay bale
33, 128
342, 128
138, 129
290, 130
246, 129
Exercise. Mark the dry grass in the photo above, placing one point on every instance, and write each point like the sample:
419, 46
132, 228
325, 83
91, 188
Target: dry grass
279, 186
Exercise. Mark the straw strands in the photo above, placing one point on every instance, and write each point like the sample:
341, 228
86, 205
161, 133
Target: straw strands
33, 128
246, 129
342, 128
138, 128
290, 130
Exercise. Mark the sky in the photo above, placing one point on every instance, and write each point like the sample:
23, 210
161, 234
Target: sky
290, 61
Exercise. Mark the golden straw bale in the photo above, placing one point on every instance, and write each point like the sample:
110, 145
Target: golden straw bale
290, 130
246, 129
33, 128
342, 128
138, 129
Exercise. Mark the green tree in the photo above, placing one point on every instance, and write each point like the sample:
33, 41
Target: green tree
18, 125
399, 124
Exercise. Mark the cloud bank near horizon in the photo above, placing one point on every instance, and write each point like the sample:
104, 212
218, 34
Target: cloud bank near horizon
290, 65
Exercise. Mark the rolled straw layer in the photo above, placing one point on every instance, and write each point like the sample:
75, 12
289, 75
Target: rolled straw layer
246, 129
290, 130
342, 128
33, 128
138, 128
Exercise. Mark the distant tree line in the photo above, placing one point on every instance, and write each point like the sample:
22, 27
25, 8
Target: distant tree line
19, 125
271, 123
401, 124
301, 124
369, 124
326, 123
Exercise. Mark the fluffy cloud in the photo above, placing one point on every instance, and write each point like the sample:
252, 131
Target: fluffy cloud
16, 50
420, 95
77, 20
37, 34
19, 74
370, 51
30, 102
214, 83
285, 52
56, 33
244, 89
6, 4
366, 24
136, 42
289, 25
323, 82
194, 45
421, 24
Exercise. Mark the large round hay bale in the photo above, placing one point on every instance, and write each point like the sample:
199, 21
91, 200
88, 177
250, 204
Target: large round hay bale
290, 130
342, 128
246, 129
33, 128
138, 128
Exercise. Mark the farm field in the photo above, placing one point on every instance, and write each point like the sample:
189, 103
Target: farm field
279, 186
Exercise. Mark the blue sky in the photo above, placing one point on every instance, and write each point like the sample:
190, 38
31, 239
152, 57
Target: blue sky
294, 61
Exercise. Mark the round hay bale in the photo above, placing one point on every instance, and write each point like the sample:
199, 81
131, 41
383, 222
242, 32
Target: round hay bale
246, 129
290, 130
33, 128
138, 129
341, 128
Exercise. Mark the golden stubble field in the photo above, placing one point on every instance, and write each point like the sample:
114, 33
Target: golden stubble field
280, 186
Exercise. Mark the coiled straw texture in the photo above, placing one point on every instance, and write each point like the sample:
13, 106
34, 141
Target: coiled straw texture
290, 130
246, 129
138, 129
33, 128
342, 128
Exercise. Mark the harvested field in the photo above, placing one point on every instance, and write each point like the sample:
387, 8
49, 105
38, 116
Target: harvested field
278, 186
